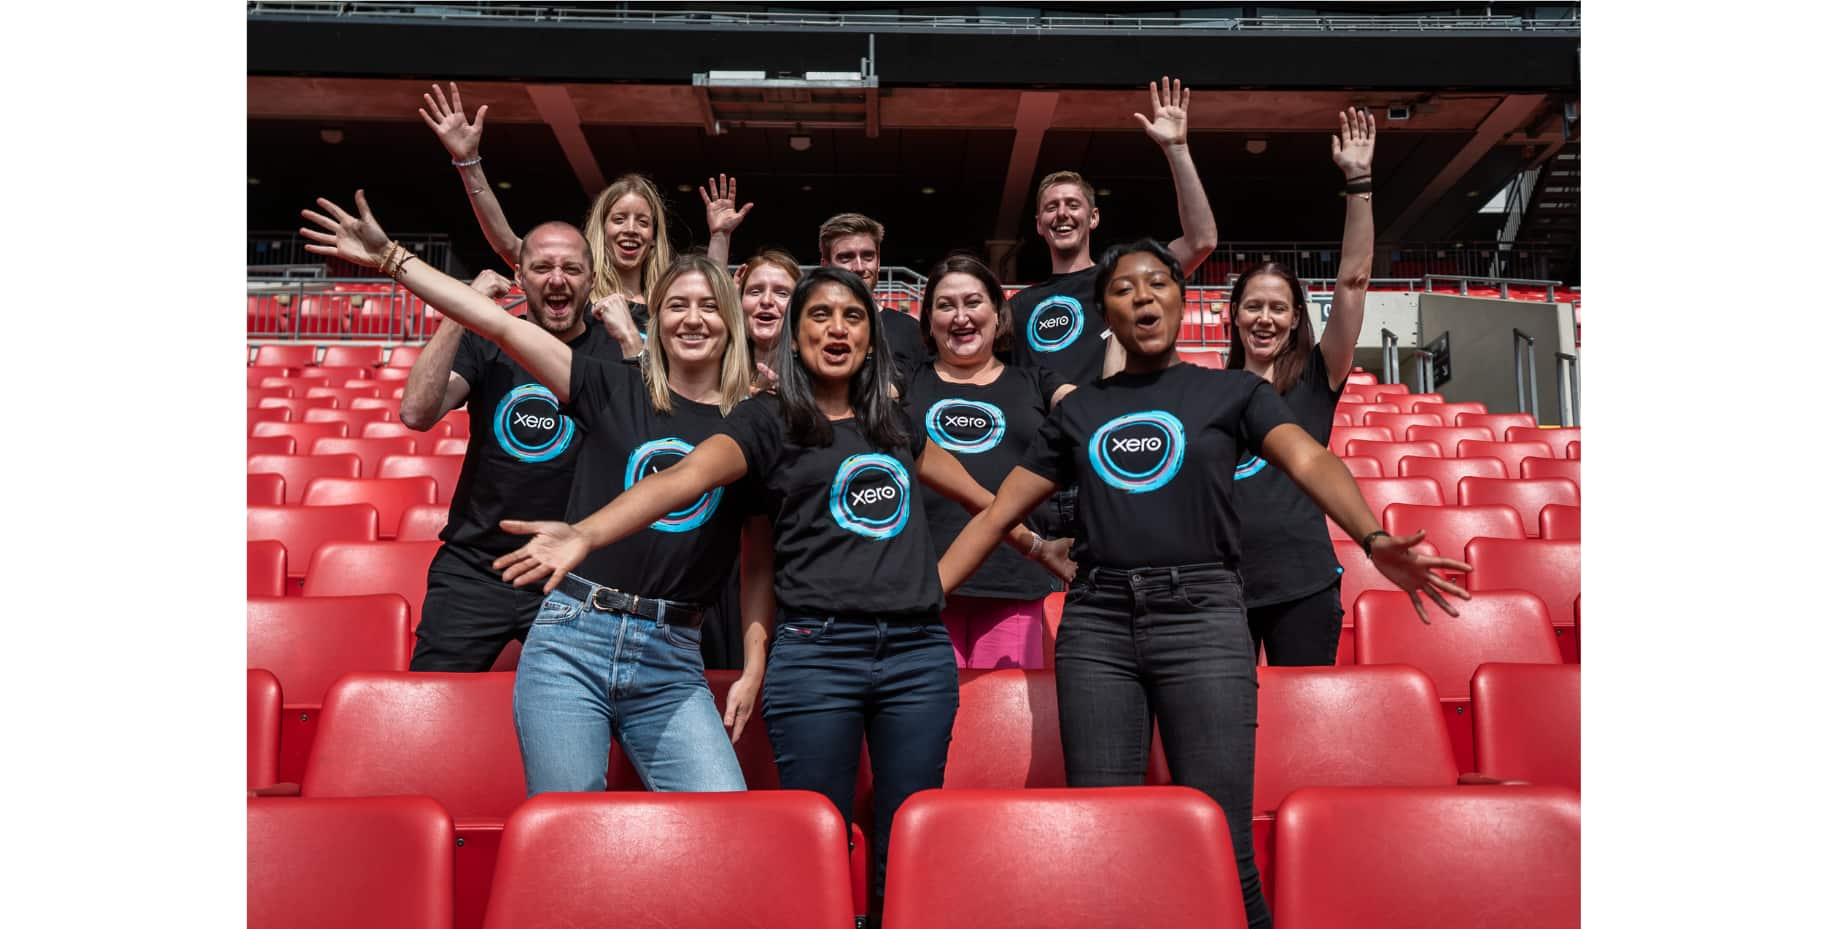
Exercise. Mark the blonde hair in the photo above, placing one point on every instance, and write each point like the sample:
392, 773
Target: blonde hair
847, 224
659, 253
1065, 177
733, 384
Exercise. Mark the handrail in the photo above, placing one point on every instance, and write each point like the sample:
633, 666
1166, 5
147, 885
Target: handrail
1567, 372
1503, 283
1518, 340
1391, 358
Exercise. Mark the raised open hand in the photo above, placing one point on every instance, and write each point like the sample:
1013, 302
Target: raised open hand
461, 137
720, 212
353, 238
1355, 143
556, 548
1169, 124
1396, 558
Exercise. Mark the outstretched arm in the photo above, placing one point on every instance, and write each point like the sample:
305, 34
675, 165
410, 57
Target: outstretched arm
463, 139
940, 470
1351, 151
721, 217
361, 240
1020, 493
1198, 228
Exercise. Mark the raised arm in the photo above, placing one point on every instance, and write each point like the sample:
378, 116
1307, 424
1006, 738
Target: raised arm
1324, 478
432, 388
1351, 151
1020, 493
757, 622
361, 240
1198, 228
557, 547
721, 216
463, 139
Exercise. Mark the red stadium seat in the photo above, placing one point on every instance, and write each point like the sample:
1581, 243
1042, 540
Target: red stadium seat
1451, 527
450, 447
265, 489
303, 529
374, 403
1360, 377
364, 356
1448, 472
1086, 858
1343, 436
1446, 436
1339, 418
294, 408
267, 414
1362, 467
1428, 858
1573, 450
285, 356
1568, 468
1526, 497
423, 523
1390, 454
1376, 393
1498, 625
1498, 423
1203, 358
1052, 610
343, 396
1560, 522
1510, 453
1006, 734
353, 419
298, 383
1350, 398
343, 373
1358, 411
257, 394
454, 425
258, 375
300, 470
390, 496
1380, 492
369, 450
1356, 575
449, 737
392, 429
444, 469
1408, 403
1398, 424
302, 433
263, 702
356, 863
392, 377
309, 642
265, 568
271, 445
1546, 568
403, 356
1556, 439
348, 568
1526, 722
1449, 412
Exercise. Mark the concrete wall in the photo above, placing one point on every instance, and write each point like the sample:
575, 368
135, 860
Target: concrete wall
1483, 360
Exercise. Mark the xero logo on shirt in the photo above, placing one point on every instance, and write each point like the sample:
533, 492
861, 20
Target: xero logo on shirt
656, 456
1139, 452
965, 426
529, 426
1055, 324
870, 496
1249, 468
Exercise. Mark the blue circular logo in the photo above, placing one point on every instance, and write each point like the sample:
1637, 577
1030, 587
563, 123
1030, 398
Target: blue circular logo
967, 427
1055, 323
656, 456
1139, 452
871, 496
528, 425
1249, 467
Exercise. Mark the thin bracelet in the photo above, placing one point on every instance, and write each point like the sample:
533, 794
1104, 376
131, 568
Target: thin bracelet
1034, 546
464, 164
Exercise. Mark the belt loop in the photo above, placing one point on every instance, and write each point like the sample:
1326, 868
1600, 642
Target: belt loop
1173, 575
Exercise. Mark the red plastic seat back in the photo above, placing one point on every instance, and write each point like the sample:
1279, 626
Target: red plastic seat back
304, 433
1526, 722
1343, 436
271, 445
294, 408
780, 859
455, 424
1361, 467
390, 496
1446, 436
259, 375
1411, 403
1006, 734
265, 568
450, 446
351, 568
1525, 496
403, 356
1362, 726
263, 706
1390, 454
366, 356
267, 414
1449, 412
1510, 453
1547, 568
1556, 439
1399, 423
1449, 528
1505, 625
358, 863
300, 470
265, 489
1498, 423
445, 736
444, 469
1381, 492
1448, 472
352, 420
1375, 393
346, 396
285, 356
369, 450
1358, 574
305, 529
1573, 451
1560, 522
423, 522
1357, 412
1086, 858
1568, 468
390, 429
309, 642
1428, 858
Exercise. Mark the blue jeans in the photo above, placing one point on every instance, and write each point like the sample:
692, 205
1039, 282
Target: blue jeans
831, 680
586, 675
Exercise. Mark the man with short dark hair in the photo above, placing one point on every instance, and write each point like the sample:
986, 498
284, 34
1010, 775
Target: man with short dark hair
853, 242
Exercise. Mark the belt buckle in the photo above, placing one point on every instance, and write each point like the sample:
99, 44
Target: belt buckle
596, 600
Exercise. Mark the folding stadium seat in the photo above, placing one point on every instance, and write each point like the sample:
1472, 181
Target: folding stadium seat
343, 395
295, 355
1390, 454
1566, 468
1052, 609
1006, 734
1448, 472
1573, 450
779, 860
1407, 402
1547, 568
309, 642
1560, 522
258, 377
449, 737
365, 356
393, 429
1377, 393
1511, 453
257, 394
1449, 412
423, 523
444, 469
394, 376
1203, 358
1498, 625
1358, 411
266, 414
1525, 496
342, 373
1446, 436
265, 489
1352, 398
1362, 467
1339, 417
298, 382
375, 403
295, 407
265, 568
1498, 423
263, 701
1356, 575
448, 446
1345, 435
1380, 492
354, 420
1361, 377
1363, 726
300, 470
1556, 439
1399, 423
354, 863
1451, 527
343, 569
402, 356
1428, 858
454, 425
1526, 722
370, 450
302, 433
1134, 856
302, 529
390, 496
271, 445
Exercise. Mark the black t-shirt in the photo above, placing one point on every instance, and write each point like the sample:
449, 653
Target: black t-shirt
521, 448
903, 334
849, 525
986, 427
686, 555
1153, 455
1287, 552
1058, 327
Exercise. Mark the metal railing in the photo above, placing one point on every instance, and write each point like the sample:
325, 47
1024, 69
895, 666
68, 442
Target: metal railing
285, 249
1522, 345
1503, 283
1518, 261
1567, 375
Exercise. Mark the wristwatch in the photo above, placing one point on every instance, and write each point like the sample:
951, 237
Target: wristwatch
1370, 537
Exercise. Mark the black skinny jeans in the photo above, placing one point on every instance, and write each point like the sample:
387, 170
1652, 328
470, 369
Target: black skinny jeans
1173, 644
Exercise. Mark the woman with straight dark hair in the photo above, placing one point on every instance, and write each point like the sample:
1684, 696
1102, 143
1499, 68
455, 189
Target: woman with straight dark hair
859, 650
984, 412
1154, 623
1290, 574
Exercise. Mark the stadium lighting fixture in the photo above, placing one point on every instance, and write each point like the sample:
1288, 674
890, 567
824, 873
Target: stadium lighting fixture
1397, 113
1256, 146
330, 136
926, 190
683, 188
799, 141
503, 185
719, 77
1103, 191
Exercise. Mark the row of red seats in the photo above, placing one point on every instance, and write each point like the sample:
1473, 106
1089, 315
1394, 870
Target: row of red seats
1528, 498
305, 355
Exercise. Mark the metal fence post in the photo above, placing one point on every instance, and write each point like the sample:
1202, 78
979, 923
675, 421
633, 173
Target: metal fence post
1390, 358
1567, 373
1523, 345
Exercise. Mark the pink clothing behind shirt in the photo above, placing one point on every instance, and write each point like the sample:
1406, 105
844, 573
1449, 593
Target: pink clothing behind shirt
993, 632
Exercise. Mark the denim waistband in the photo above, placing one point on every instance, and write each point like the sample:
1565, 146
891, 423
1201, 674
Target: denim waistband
1162, 577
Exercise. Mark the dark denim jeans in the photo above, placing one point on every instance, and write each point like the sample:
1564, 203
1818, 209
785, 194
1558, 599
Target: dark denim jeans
1171, 644
1301, 633
833, 680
